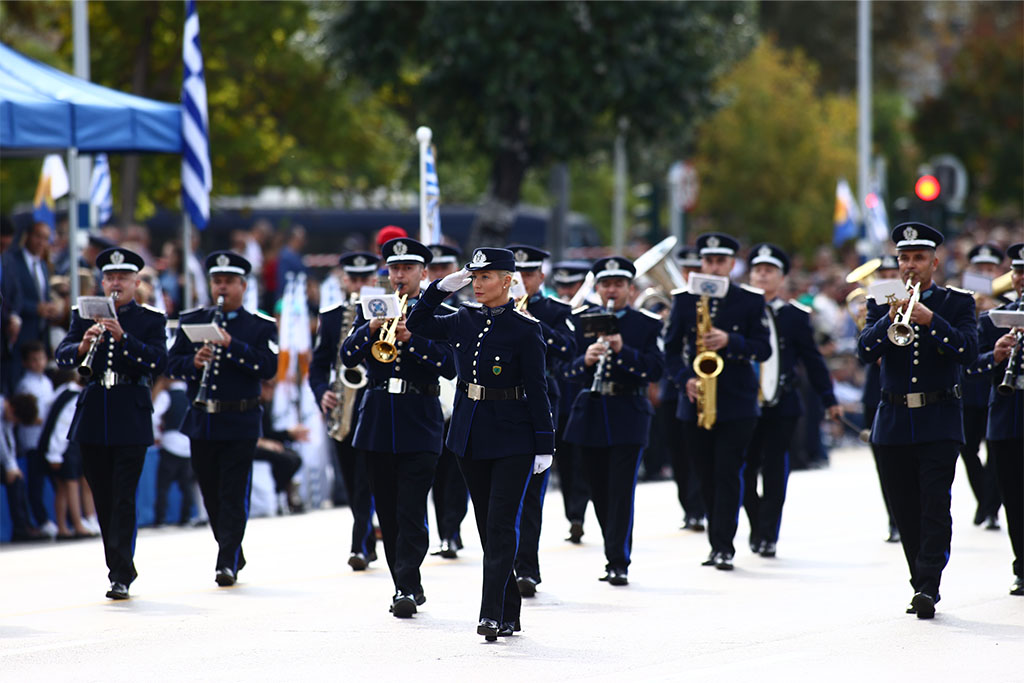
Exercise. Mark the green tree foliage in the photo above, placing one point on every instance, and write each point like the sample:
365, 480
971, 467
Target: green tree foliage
979, 115
278, 115
526, 84
770, 158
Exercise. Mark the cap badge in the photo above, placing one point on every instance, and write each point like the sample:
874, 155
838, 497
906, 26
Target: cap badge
909, 234
223, 260
400, 249
359, 261
521, 256
713, 242
562, 274
612, 265
984, 251
436, 251
764, 251
479, 257
117, 258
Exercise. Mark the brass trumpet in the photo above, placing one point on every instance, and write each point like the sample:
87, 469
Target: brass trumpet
384, 349
900, 332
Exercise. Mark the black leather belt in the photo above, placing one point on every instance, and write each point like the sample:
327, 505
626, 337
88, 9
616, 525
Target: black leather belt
109, 378
475, 392
242, 406
397, 385
921, 399
618, 389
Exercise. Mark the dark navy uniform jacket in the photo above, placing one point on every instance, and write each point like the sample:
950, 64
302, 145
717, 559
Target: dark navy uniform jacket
569, 388
1005, 413
740, 313
600, 420
495, 348
328, 335
398, 423
932, 362
123, 414
237, 372
560, 338
796, 343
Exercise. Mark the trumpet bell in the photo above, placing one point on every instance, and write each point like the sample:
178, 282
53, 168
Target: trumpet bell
900, 334
708, 364
865, 272
383, 351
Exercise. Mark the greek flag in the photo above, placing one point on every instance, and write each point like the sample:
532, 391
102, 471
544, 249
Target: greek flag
433, 194
99, 189
196, 177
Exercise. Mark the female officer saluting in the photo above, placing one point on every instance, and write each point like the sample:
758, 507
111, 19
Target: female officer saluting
501, 425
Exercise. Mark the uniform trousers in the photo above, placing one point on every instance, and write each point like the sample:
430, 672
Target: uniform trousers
683, 471
173, 468
497, 487
569, 461
981, 476
224, 472
767, 454
113, 474
1008, 455
718, 454
612, 471
869, 417
400, 483
356, 477
527, 560
917, 480
451, 498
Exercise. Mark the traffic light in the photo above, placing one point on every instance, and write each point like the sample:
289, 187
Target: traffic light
927, 188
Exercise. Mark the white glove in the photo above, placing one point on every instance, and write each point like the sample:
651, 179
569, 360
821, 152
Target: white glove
541, 463
455, 281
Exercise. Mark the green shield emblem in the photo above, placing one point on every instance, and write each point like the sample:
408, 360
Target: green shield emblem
496, 369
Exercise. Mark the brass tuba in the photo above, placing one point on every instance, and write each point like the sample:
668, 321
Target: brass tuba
347, 382
384, 348
856, 300
708, 365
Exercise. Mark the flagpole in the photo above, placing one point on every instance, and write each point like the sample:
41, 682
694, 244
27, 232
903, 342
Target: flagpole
423, 135
186, 250
73, 222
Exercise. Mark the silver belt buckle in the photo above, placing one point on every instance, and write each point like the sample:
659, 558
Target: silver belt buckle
1020, 383
915, 400
109, 379
474, 391
396, 385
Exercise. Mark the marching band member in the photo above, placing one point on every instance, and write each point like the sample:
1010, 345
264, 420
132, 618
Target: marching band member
501, 426
739, 334
767, 453
611, 419
224, 420
568, 277
112, 424
359, 269
559, 337
918, 428
400, 426
1002, 357
451, 497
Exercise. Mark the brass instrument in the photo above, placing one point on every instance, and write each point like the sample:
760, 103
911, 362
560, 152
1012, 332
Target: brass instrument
384, 348
1007, 387
708, 365
1002, 284
347, 381
900, 332
202, 396
856, 300
85, 368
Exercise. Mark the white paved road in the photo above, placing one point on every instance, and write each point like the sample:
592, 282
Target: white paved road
830, 607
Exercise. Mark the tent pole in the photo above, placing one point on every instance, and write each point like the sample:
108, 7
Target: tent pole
73, 222
186, 244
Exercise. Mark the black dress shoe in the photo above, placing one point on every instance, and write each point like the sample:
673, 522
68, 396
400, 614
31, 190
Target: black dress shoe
358, 562
1017, 587
756, 545
924, 605
449, 551
420, 598
527, 586
488, 628
403, 605
767, 549
992, 523
724, 562
618, 577
979, 515
575, 532
509, 628
910, 608
711, 561
118, 591
225, 577
693, 524
894, 535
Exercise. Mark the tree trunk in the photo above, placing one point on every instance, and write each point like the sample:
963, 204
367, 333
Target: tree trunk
140, 75
497, 214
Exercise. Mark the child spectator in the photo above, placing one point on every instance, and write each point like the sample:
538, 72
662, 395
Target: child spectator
35, 383
13, 412
170, 403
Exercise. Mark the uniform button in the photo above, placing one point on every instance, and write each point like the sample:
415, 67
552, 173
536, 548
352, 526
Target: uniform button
945, 340
736, 327
229, 354
411, 349
256, 366
476, 353
551, 341
916, 344
563, 348
960, 350
480, 335
488, 322
497, 358
214, 387
914, 380
438, 363
917, 353
916, 361
458, 344
216, 372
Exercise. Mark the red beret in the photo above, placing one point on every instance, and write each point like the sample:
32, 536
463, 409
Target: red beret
390, 232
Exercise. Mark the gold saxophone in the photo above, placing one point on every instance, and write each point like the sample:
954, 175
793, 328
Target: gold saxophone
708, 366
347, 382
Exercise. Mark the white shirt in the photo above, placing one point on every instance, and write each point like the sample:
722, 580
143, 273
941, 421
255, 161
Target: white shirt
172, 441
59, 438
35, 266
40, 386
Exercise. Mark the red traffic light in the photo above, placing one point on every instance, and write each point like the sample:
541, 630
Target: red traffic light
927, 188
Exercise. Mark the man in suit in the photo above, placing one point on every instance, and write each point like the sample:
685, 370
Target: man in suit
918, 427
28, 266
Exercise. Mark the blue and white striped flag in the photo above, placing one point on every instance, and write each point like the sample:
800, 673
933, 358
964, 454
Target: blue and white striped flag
433, 194
100, 195
196, 176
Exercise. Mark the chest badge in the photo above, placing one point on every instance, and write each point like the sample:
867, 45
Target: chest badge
496, 369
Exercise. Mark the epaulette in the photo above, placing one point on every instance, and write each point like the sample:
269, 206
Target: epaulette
191, 310
652, 316
803, 307
328, 309
153, 309
558, 301
261, 314
451, 308
751, 288
679, 290
471, 304
526, 316
580, 309
958, 290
